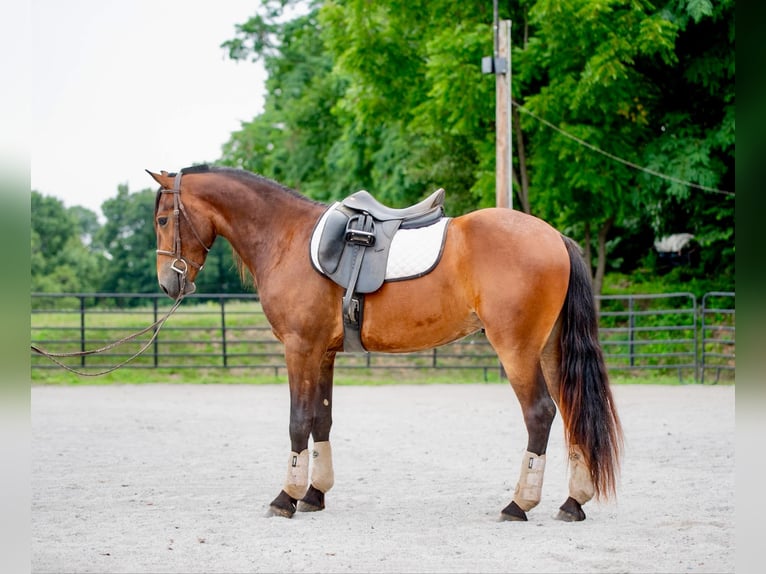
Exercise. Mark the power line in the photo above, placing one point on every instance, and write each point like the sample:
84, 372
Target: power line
619, 159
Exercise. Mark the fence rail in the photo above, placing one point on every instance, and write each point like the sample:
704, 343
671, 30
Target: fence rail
671, 333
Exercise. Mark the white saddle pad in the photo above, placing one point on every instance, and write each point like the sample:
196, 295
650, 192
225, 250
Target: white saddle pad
414, 252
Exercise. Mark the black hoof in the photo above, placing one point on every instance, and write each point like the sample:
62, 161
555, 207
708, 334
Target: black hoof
513, 513
312, 502
283, 505
571, 511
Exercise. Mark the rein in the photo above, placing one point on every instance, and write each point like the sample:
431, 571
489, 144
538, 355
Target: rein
178, 209
158, 324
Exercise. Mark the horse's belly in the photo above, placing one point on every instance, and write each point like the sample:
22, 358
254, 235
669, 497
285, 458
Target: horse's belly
403, 318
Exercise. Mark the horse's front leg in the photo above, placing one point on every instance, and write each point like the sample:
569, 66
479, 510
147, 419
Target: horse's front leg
303, 367
322, 475
310, 378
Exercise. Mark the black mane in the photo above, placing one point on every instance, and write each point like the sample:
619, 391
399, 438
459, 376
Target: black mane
202, 168
245, 177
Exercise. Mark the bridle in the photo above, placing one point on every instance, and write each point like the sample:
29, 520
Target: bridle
178, 210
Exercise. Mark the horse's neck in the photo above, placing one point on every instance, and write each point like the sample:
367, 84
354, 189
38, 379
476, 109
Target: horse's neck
256, 223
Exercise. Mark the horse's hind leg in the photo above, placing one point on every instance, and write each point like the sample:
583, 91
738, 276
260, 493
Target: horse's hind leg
539, 410
322, 474
580, 485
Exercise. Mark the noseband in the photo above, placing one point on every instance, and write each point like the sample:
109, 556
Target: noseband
178, 210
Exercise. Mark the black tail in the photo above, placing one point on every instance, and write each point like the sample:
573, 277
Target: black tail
587, 407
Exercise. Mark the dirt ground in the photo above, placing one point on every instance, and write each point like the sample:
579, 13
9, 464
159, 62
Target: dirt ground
177, 478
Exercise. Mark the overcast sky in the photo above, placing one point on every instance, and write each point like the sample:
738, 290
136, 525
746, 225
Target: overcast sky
120, 86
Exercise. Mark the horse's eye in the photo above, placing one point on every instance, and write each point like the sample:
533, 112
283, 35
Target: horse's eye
162, 221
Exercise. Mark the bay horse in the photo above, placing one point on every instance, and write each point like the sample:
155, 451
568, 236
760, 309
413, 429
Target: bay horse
501, 270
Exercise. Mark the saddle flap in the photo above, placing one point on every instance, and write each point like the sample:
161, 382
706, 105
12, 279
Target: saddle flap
341, 237
331, 245
373, 272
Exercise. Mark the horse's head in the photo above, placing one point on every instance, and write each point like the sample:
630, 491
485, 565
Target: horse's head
183, 235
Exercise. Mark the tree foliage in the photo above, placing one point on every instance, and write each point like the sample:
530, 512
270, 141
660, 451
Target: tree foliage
61, 261
128, 237
389, 96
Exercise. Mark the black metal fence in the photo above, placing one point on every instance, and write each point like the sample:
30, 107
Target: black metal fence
717, 335
669, 333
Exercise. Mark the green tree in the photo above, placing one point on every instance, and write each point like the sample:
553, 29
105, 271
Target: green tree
292, 139
694, 138
414, 76
344, 90
60, 260
86, 223
389, 96
582, 77
129, 241
613, 76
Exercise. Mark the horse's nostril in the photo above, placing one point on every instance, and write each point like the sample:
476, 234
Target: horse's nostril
164, 289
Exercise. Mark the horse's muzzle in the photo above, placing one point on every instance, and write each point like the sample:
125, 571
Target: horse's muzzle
171, 283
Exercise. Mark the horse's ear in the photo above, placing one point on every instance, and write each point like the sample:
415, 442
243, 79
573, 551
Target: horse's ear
162, 178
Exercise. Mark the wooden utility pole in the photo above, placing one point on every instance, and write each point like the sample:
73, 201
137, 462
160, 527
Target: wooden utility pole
503, 139
500, 65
